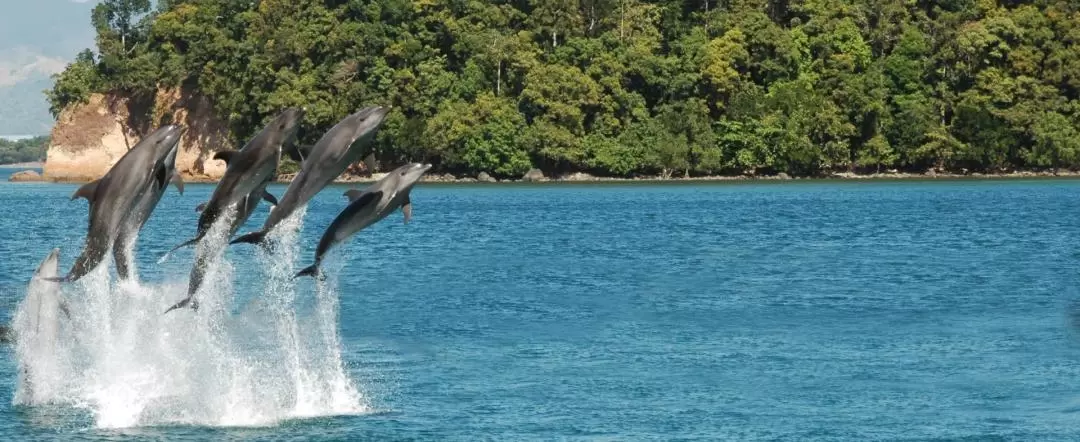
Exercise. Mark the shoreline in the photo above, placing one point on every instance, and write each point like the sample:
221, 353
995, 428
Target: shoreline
30, 165
584, 178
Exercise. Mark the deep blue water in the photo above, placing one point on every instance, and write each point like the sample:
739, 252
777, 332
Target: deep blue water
919, 310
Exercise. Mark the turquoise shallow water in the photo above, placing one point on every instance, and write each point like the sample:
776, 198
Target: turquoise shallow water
773, 311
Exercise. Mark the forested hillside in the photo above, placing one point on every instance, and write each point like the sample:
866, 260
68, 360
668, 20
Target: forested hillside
24, 150
626, 87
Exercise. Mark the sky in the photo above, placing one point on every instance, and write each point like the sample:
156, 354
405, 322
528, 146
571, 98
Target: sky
37, 39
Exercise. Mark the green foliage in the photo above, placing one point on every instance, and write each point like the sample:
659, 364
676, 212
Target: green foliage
625, 87
24, 150
75, 84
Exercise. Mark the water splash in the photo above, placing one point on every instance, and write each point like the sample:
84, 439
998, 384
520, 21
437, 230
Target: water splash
129, 365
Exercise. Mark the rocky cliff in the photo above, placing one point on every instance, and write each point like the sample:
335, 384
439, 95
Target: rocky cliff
89, 138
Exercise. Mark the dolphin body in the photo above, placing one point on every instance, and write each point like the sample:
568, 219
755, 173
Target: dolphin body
247, 174
339, 147
141, 213
114, 197
37, 325
367, 207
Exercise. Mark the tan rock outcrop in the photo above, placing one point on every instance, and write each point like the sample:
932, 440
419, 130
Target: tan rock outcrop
26, 175
89, 138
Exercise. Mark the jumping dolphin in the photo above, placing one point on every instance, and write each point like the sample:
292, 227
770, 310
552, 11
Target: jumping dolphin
247, 173
114, 197
36, 325
342, 145
141, 213
368, 207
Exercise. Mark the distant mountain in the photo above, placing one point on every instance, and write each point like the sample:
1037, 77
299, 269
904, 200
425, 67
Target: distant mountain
37, 39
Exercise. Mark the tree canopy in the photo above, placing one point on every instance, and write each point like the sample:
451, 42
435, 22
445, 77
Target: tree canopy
625, 87
24, 150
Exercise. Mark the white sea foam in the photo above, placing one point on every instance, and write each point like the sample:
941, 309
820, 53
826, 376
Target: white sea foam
130, 365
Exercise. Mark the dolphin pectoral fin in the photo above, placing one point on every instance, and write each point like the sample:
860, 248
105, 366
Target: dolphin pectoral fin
294, 154
269, 197
225, 155
201, 207
86, 191
250, 238
297, 151
178, 181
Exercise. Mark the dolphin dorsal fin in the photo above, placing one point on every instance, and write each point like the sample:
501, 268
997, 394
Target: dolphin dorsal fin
354, 194
225, 155
178, 181
86, 191
406, 208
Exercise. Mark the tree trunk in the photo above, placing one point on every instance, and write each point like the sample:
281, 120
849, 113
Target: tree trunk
706, 17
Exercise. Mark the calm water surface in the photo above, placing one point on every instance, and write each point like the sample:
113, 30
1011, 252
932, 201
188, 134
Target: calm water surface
778, 311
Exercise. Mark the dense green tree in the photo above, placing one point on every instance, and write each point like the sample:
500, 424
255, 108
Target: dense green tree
624, 87
25, 150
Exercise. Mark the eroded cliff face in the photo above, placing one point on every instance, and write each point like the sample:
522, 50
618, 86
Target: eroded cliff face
89, 138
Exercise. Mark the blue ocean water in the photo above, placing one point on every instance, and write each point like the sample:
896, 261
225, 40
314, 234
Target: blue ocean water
911, 310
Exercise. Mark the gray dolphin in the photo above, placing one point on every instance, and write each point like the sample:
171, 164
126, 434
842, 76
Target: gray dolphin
368, 207
141, 213
36, 326
248, 171
114, 197
342, 145
41, 306
247, 174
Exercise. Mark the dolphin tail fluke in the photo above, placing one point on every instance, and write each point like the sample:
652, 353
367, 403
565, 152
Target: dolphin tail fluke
311, 270
165, 257
186, 302
250, 238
